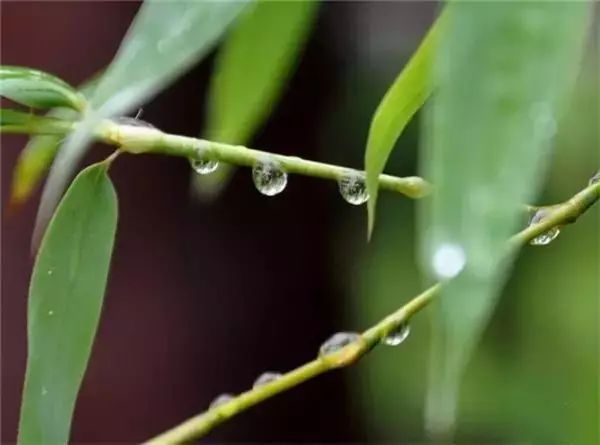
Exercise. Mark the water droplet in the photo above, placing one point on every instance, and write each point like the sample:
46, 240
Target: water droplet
50, 271
595, 179
353, 188
269, 178
547, 237
220, 400
204, 166
338, 341
266, 377
448, 260
50, 312
398, 335
44, 391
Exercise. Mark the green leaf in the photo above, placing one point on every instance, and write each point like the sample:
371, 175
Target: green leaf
37, 89
33, 162
13, 117
407, 94
504, 71
250, 74
65, 300
165, 39
14, 121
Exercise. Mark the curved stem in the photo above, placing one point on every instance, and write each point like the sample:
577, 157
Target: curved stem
201, 424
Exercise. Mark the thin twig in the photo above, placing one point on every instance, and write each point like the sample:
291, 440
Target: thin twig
197, 426
139, 139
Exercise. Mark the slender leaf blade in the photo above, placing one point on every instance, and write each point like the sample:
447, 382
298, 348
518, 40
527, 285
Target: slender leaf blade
250, 75
37, 89
253, 65
405, 97
504, 71
65, 301
165, 40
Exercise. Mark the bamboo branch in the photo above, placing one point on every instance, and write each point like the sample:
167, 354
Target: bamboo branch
197, 426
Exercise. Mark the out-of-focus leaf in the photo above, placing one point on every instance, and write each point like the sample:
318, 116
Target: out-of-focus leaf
250, 74
165, 39
65, 300
504, 71
14, 121
13, 117
35, 159
37, 89
407, 94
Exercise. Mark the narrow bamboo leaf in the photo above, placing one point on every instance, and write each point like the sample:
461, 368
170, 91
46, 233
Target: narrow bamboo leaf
407, 94
33, 162
10, 117
65, 301
250, 74
504, 71
14, 121
37, 89
165, 39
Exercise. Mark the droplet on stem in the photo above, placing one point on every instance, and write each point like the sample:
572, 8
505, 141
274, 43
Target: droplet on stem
220, 400
546, 237
338, 341
269, 178
398, 335
353, 188
448, 260
204, 166
266, 377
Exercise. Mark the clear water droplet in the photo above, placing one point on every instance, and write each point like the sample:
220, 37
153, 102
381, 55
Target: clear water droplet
595, 179
50, 313
547, 237
448, 260
44, 391
353, 188
266, 377
338, 341
269, 178
220, 400
50, 272
204, 166
397, 336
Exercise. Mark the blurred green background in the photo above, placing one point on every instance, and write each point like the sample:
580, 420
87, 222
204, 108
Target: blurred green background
535, 376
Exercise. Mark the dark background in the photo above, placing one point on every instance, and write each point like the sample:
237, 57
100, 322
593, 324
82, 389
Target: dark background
204, 297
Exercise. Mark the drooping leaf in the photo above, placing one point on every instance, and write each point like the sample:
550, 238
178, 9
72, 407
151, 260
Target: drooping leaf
37, 89
504, 71
65, 300
250, 74
407, 94
166, 38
